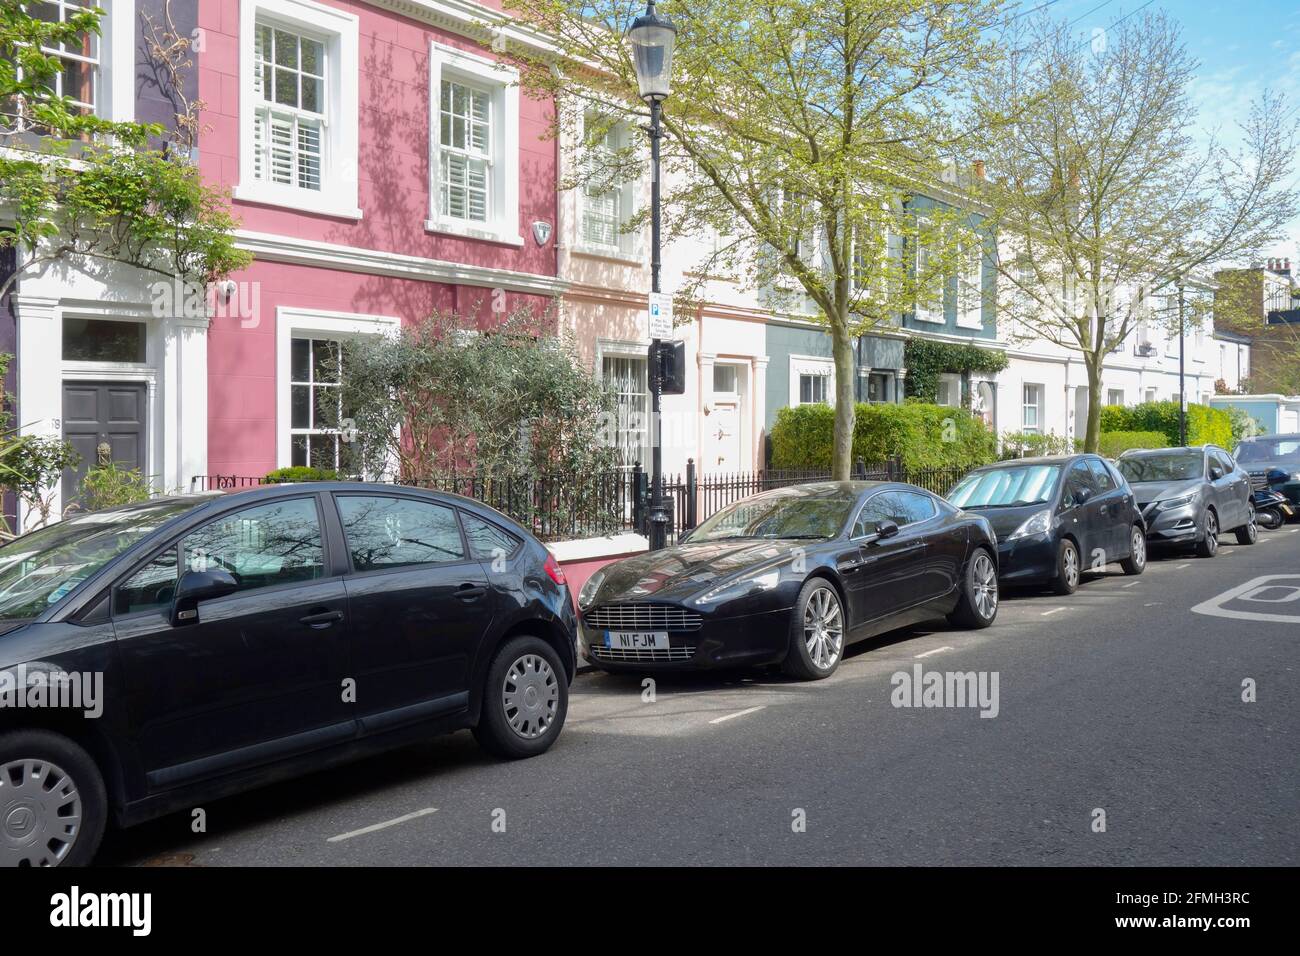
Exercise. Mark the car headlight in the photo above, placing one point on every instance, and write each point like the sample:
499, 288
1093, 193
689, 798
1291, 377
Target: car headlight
1038, 523
588, 593
1176, 502
758, 583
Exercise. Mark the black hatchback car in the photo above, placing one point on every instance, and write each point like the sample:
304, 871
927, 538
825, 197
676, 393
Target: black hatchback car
791, 577
1056, 517
192, 647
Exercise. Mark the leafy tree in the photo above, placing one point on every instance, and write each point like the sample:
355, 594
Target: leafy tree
1102, 198
77, 186
442, 396
801, 134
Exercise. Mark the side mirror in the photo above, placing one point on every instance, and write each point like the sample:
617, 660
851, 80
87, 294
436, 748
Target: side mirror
1215, 473
1081, 495
886, 529
196, 586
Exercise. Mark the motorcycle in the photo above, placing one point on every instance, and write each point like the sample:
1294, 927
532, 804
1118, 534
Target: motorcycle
1272, 509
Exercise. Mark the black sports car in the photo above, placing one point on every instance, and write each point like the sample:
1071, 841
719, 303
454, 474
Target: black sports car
1057, 517
790, 577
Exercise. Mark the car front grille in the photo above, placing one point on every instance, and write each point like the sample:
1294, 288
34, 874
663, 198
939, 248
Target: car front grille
642, 617
682, 653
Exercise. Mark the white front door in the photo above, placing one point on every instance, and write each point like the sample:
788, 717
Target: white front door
724, 438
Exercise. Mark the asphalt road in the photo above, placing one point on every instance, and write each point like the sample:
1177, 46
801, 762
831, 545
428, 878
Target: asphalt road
1119, 698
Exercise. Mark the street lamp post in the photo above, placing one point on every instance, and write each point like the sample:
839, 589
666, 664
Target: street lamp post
1182, 393
652, 37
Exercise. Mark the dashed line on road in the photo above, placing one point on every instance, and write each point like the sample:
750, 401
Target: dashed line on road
1181, 567
937, 650
382, 826
1053, 611
1131, 584
739, 713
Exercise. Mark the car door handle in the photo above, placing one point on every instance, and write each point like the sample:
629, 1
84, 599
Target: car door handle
321, 619
470, 592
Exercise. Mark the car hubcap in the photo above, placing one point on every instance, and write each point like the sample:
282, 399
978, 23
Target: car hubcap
1071, 567
1211, 532
823, 628
986, 586
40, 813
530, 696
1139, 548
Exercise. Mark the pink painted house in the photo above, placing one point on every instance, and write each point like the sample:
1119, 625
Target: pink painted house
383, 163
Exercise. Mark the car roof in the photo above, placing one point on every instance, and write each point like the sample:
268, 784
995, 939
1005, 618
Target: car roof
1291, 436
1040, 460
831, 489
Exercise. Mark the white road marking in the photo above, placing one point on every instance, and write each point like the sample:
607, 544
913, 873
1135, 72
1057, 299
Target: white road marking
739, 713
382, 826
937, 650
1053, 611
1181, 566
1132, 584
1252, 591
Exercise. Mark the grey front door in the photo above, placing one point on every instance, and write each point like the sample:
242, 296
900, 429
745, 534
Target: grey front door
103, 421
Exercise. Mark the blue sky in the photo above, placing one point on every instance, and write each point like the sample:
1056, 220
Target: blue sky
1244, 47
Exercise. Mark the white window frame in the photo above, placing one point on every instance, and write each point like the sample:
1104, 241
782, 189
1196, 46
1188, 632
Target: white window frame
970, 284
293, 323
634, 351
625, 194
1111, 393
811, 365
501, 81
339, 31
1037, 405
932, 310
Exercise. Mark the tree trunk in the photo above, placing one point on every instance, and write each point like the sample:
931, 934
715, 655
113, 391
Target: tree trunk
846, 375
1092, 433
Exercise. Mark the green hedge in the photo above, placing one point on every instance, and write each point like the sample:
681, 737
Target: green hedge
297, 473
919, 435
1036, 445
1205, 425
1114, 444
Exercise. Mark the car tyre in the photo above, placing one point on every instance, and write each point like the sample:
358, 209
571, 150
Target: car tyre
1249, 532
1208, 546
525, 700
978, 605
1136, 562
45, 780
817, 631
1067, 568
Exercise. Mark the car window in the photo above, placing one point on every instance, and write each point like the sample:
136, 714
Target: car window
390, 532
1221, 459
151, 588
486, 541
262, 546
1078, 478
901, 507
1006, 487
1100, 475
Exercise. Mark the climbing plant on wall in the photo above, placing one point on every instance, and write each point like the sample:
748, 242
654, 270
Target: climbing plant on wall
927, 359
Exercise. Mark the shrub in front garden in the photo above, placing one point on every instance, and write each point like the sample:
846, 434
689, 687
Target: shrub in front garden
919, 435
1205, 425
1114, 444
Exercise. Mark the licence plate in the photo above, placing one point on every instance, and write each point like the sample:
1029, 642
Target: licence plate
637, 640
1287, 510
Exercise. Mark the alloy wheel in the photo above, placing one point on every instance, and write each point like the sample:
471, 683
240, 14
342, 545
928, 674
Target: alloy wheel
530, 696
823, 628
1139, 548
1071, 566
985, 579
1211, 532
41, 813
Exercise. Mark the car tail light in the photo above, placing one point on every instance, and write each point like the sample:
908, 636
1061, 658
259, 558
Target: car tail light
554, 571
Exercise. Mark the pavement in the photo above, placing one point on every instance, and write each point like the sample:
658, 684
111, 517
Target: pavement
1121, 737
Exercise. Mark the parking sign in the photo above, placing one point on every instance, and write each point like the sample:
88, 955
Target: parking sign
660, 316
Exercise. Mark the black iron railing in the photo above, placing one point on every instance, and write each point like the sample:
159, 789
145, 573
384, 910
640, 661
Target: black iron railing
566, 507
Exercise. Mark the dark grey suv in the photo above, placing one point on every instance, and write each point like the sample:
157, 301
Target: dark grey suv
1190, 495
